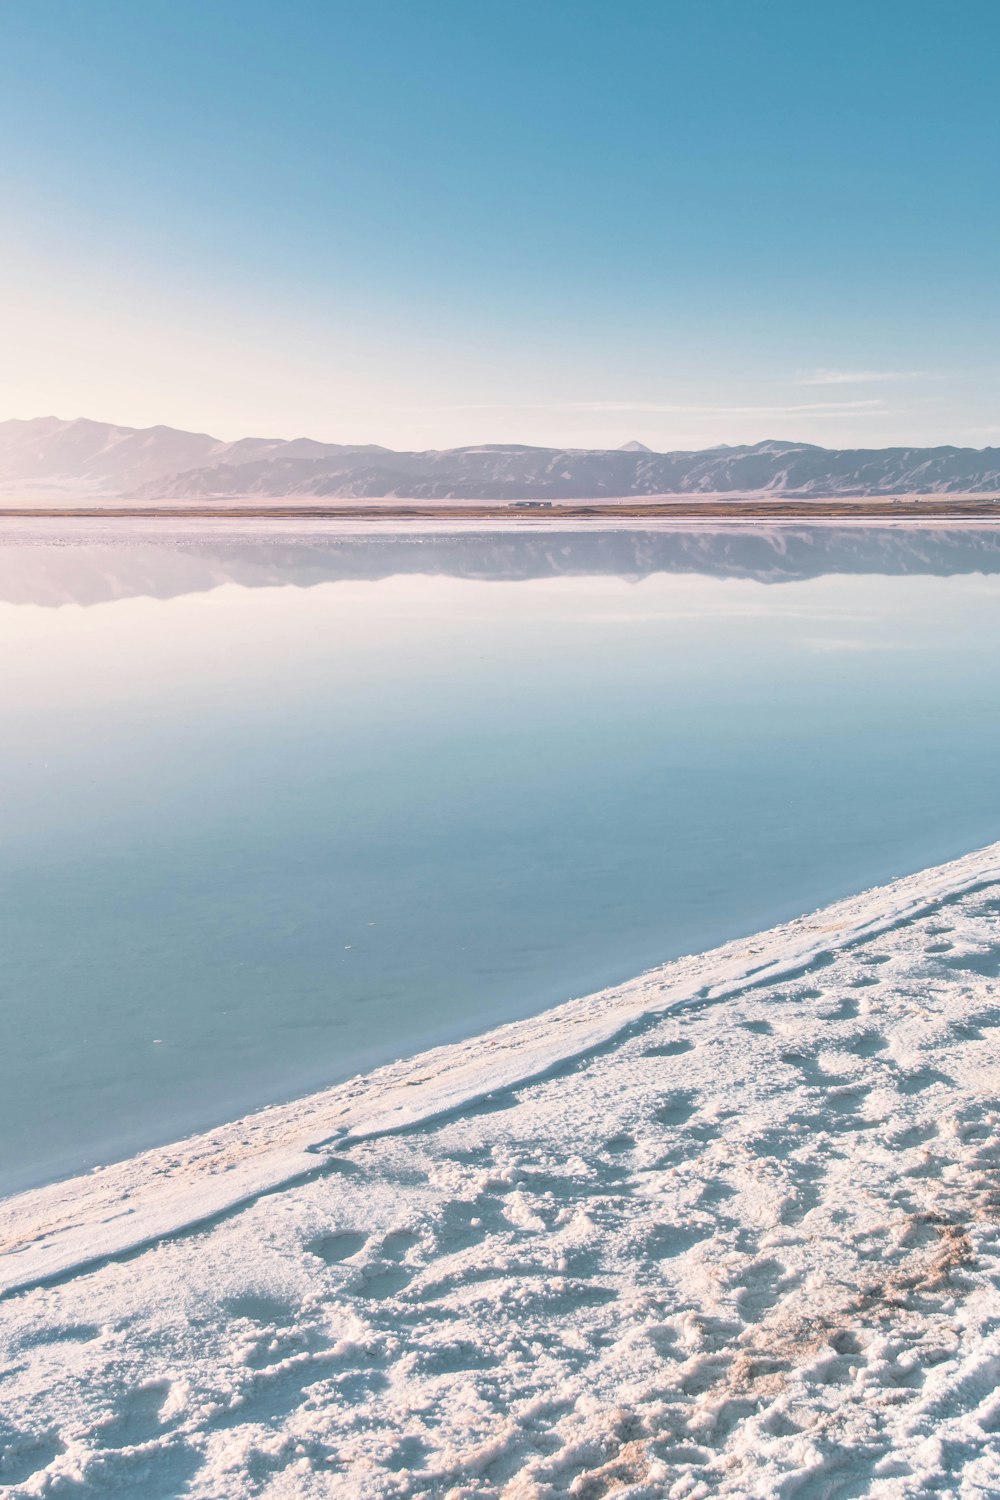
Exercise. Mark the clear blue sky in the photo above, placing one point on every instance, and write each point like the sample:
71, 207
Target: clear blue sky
426, 222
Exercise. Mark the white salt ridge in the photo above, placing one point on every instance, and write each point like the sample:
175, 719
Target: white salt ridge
750, 1246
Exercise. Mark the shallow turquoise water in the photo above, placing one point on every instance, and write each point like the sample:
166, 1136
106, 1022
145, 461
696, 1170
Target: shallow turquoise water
254, 839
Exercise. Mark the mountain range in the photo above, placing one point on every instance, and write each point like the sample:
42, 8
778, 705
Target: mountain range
164, 463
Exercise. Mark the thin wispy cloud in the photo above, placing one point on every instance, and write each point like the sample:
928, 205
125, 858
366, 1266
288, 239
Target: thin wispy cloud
851, 643
726, 411
860, 408
857, 377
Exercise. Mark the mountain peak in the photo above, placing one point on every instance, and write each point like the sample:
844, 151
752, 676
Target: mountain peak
634, 447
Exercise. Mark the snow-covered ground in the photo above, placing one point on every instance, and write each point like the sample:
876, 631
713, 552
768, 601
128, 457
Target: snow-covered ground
731, 1229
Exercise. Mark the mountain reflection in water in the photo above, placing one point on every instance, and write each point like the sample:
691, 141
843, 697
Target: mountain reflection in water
99, 568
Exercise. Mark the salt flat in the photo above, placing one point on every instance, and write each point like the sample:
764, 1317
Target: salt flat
738, 1234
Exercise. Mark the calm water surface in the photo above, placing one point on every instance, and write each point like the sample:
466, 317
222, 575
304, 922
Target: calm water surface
257, 836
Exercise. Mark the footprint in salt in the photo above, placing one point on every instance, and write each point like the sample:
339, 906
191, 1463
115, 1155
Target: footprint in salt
341, 1245
397, 1243
25, 1454
677, 1108
379, 1281
867, 1044
669, 1049
763, 1285
137, 1418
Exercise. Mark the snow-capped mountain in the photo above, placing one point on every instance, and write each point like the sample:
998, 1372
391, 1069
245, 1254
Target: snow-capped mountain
162, 463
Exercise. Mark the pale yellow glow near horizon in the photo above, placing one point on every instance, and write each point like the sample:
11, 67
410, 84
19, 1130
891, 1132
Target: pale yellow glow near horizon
218, 364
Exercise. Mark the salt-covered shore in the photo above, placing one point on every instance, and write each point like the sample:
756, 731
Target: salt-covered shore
733, 1228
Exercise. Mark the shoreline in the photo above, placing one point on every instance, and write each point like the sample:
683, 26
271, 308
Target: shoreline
103, 527
517, 512
54, 1232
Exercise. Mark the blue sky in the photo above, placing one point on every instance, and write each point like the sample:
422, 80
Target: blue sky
430, 222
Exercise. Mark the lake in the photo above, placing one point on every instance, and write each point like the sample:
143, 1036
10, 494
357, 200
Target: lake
277, 808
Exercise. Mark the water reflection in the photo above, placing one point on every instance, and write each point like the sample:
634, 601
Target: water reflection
99, 568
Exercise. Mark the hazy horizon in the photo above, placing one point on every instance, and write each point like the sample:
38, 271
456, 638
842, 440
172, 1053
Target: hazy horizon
347, 441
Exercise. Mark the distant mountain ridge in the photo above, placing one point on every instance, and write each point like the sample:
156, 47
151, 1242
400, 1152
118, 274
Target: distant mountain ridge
164, 463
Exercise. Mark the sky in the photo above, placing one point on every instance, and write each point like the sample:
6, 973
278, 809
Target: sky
427, 223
